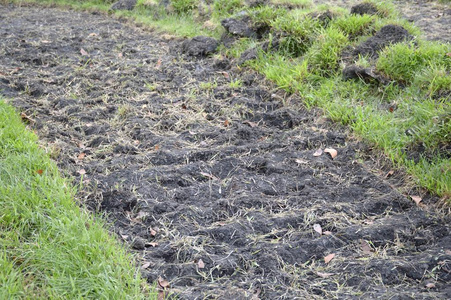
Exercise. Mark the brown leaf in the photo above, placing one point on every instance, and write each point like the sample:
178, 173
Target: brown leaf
389, 173
184, 106
201, 264
448, 54
430, 285
40, 171
146, 265
158, 65
81, 156
365, 247
152, 232
26, 118
318, 152
329, 257
333, 153
226, 123
318, 228
324, 275
82, 171
83, 52
163, 283
251, 124
417, 199
156, 147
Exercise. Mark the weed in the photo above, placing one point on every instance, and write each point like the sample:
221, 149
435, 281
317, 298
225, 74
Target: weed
222, 8
183, 6
234, 84
324, 54
355, 25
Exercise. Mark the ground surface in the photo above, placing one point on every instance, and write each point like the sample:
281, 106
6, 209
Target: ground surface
214, 184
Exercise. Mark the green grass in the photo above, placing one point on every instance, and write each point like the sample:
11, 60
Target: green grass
50, 247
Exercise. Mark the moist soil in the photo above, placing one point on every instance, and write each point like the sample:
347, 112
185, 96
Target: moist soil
209, 173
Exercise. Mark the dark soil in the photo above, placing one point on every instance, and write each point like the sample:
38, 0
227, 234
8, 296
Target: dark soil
213, 184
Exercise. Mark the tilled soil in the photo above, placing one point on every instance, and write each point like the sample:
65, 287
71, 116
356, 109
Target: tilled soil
209, 172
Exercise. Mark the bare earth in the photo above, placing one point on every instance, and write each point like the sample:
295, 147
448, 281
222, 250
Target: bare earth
216, 187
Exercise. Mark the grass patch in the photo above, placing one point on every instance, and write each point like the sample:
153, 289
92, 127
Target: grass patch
50, 248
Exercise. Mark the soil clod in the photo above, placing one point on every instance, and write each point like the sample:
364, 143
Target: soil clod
200, 46
364, 8
124, 5
389, 34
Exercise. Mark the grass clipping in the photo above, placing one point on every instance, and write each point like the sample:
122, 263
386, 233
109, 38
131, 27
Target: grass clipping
50, 248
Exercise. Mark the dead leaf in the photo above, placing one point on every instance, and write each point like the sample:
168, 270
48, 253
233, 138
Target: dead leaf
226, 123
327, 232
201, 264
252, 124
417, 199
318, 152
124, 236
46, 42
153, 244
448, 54
81, 156
184, 106
40, 171
301, 161
26, 118
119, 55
389, 173
163, 283
329, 257
212, 177
365, 247
82, 171
83, 52
152, 232
448, 252
92, 34
324, 275
158, 64
156, 147
318, 228
333, 153
145, 265
430, 285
